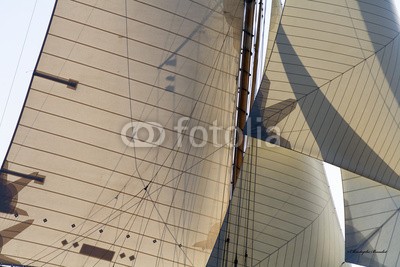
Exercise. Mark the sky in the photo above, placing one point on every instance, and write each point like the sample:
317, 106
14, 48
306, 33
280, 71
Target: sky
23, 24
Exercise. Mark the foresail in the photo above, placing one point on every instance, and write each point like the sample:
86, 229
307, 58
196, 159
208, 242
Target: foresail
331, 85
86, 185
281, 213
372, 221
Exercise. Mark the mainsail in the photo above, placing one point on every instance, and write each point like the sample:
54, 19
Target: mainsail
109, 167
89, 199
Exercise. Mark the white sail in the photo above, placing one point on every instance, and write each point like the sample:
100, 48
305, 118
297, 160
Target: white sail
109, 165
107, 64
372, 221
281, 213
276, 14
332, 85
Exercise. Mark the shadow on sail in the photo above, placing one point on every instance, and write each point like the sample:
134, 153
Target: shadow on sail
372, 221
347, 150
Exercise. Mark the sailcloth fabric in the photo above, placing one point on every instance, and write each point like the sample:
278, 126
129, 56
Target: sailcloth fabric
282, 213
331, 85
372, 221
82, 186
105, 201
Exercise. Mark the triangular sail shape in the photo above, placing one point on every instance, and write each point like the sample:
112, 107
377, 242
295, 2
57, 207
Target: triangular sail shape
339, 61
108, 64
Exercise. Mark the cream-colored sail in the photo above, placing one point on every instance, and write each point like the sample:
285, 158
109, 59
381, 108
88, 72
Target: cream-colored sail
106, 64
281, 213
276, 14
372, 221
332, 85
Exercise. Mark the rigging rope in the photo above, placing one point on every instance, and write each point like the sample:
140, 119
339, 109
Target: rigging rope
17, 67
